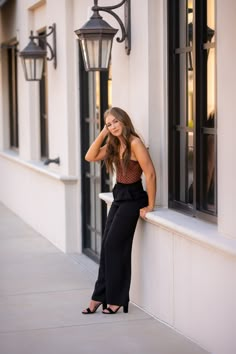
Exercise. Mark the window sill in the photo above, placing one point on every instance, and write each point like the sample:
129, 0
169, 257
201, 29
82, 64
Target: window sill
37, 166
186, 226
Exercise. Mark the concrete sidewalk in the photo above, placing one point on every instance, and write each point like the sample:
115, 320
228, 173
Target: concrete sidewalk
42, 293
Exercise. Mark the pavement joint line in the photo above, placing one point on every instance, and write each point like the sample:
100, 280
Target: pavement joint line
20, 238
44, 292
77, 325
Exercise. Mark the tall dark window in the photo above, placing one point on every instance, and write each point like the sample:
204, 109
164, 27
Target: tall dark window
13, 95
43, 104
95, 98
192, 107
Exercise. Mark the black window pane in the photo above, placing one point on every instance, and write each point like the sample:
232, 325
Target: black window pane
184, 167
190, 167
211, 20
210, 122
44, 143
209, 170
184, 91
184, 19
13, 95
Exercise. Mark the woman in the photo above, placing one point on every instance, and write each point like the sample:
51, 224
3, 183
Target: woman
125, 151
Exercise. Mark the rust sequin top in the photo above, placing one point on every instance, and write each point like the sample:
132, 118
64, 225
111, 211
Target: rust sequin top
133, 172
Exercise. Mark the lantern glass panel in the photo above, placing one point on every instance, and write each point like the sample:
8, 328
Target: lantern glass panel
39, 68
85, 53
24, 67
93, 52
27, 65
33, 68
106, 50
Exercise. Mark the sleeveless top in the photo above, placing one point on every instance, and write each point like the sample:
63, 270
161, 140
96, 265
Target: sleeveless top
131, 175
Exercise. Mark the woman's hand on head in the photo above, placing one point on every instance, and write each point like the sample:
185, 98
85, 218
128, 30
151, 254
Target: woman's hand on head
104, 131
97, 151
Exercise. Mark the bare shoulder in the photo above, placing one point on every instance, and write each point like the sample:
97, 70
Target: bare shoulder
138, 149
137, 143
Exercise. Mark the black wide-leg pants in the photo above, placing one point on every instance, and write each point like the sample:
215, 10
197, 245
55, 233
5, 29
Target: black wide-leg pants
114, 276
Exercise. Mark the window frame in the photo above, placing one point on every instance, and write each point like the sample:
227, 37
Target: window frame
12, 67
199, 45
43, 105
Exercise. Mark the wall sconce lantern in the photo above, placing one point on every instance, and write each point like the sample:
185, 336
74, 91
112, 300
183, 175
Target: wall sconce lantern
33, 55
96, 36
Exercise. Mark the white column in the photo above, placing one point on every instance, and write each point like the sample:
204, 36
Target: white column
226, 122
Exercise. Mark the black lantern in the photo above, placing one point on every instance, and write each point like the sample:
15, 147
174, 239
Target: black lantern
33, 55
32, 60
96, 36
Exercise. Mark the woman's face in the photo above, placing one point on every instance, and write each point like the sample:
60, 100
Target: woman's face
114, 126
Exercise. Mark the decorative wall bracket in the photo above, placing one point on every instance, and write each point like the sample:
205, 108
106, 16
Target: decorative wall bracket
125, 27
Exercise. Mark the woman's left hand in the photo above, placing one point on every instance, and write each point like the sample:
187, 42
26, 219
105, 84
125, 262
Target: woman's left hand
144, 211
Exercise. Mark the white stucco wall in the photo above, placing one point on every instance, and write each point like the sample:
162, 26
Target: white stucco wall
226, 88
46, 201
140, 86
183, 269
187, 284
46, 197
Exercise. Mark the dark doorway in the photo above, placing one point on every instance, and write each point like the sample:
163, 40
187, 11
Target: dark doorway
94, 100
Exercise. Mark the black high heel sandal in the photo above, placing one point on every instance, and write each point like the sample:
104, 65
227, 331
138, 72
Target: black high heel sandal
89, 312
111, 312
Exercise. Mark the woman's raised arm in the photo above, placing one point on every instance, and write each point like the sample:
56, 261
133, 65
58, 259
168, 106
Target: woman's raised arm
96, 151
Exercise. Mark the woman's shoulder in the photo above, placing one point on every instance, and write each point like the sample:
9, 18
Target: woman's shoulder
135, 141
137, 147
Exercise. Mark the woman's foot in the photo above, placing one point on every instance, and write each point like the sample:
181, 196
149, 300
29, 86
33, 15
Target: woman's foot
112, 309
93, 306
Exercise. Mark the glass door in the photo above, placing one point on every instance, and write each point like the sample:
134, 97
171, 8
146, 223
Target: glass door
95, 93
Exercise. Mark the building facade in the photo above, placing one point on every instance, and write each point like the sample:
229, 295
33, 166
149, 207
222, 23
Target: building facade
178, 85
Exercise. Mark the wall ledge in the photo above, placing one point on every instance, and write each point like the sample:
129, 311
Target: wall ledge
37, 166
194, 229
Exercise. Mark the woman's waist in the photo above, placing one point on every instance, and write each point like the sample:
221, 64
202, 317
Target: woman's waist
131, 186
127, 192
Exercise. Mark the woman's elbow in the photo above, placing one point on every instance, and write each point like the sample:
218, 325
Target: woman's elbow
88, 158
151, 176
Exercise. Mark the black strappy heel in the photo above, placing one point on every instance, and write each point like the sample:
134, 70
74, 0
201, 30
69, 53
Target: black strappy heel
89, 312
111, 312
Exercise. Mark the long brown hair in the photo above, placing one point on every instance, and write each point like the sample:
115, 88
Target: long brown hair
113, 143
